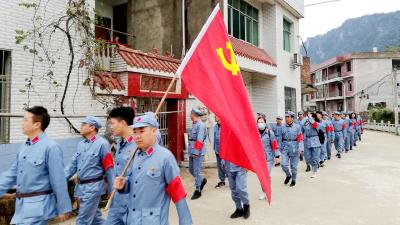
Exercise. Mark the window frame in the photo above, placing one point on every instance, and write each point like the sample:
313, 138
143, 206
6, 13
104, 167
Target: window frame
241, 9
5, 93
287, 35
290, 99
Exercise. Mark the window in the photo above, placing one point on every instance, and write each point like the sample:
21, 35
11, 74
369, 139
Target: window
286, 35
396, 64
103, 27
340, 89
5, 71
120, 22
348, 66
307, 98
243, 21
290, 99
350, 86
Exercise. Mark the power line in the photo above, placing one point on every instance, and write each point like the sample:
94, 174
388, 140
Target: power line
319, 3
373, 84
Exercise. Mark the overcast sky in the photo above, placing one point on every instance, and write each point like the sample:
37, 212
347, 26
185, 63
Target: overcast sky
319, 19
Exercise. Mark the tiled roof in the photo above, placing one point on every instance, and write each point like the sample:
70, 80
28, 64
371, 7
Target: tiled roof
152, 61
250, 51
109, 81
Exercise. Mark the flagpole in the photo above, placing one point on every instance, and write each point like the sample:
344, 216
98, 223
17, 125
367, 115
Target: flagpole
136, 150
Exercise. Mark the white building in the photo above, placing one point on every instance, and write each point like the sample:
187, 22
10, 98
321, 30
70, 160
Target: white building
265, 49
16, 67
360, 79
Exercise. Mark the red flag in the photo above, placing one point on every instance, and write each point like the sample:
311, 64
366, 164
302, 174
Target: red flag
210, 73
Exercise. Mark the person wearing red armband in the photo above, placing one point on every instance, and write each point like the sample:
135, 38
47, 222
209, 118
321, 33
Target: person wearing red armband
292, 145
152, 180
197, 151
270, 145
91, 162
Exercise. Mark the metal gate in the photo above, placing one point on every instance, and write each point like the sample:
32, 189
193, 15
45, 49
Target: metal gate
150, 104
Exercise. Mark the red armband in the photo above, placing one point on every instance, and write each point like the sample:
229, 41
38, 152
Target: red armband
327, 129
344, 126
274, 145
299, 137
107, 161
176, 190
198, 145
314, 125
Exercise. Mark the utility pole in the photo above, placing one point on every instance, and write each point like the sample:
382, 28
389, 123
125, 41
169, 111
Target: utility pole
395, 101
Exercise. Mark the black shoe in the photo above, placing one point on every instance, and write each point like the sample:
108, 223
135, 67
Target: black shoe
287, 179
346, 150
308, 168
351, 148
220, 184
329, 158
196, 195
246, 211
321, 164
339, 156
238, 213
293, 183
203, 183
301, 157
278, 164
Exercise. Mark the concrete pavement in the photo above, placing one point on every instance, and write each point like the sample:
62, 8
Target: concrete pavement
362, 188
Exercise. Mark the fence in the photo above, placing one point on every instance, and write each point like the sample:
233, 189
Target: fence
382, 126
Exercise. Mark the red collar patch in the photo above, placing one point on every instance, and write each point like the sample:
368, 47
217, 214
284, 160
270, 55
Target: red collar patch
93, 138
129, 139
150, 151
36, 139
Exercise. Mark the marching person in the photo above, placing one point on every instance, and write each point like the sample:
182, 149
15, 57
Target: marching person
153, 180
120, 119
197, 151
339, 125
346, 133
38, 174
352, 130
312, 144
216, 146
292, 145
330, 135
300, 121
324, 128
237, 177
277, 128
91, 162
270, 146
360, 126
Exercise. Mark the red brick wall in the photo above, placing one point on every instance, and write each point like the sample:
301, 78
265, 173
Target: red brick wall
305, 71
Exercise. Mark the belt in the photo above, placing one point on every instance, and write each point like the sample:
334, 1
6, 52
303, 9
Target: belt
93, 180
338, 130
192, 140
312, 136
33, 194
289, 139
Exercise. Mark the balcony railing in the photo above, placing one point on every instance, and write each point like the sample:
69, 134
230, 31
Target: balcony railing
334, 75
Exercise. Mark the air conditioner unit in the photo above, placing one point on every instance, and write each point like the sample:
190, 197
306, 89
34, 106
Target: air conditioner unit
297, 60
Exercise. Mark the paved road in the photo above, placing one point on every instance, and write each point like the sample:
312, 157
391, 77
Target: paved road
362, 188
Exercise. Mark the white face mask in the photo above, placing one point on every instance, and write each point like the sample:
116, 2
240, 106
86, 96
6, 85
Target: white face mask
261, 126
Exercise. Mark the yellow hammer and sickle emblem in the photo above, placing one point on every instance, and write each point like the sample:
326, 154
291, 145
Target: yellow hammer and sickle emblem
233, 66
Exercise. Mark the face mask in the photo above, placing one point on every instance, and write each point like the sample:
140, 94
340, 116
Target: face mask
261, 126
